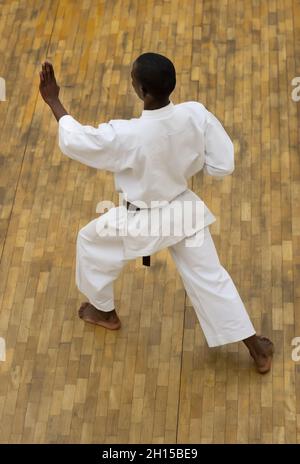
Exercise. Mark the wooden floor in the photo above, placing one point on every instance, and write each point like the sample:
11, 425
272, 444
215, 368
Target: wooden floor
155, 380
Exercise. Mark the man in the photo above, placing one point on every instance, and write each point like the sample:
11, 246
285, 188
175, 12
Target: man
152, 158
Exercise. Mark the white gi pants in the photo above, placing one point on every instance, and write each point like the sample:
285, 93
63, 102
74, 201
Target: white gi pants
219, 308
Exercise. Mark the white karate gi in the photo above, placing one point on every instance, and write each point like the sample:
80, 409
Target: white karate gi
152, 158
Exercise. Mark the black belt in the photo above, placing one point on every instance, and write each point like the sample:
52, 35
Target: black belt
131, 206
146, 259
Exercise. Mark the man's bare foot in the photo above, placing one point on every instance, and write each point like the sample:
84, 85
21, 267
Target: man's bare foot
261, 349
90, 314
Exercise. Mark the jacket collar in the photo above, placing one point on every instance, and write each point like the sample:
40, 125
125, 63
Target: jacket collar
163, 112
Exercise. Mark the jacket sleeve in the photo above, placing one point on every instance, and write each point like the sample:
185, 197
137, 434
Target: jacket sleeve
95, 147
219, 149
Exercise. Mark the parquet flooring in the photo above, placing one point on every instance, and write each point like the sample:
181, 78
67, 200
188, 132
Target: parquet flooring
154, 381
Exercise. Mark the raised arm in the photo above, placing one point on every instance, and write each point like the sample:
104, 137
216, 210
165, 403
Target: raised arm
219, 150
95, 147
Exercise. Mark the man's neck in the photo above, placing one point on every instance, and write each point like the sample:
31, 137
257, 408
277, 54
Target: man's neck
156, 105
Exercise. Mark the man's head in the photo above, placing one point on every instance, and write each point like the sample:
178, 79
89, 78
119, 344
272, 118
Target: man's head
153, 77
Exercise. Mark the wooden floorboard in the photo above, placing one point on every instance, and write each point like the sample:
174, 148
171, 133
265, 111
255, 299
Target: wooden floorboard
155, 380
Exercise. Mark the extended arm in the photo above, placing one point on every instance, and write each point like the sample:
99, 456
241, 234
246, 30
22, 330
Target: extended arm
219, 149
95, 147
58, 109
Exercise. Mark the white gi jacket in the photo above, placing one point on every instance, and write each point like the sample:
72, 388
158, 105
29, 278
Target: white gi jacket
152, 158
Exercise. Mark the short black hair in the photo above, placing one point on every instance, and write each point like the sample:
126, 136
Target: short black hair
156, 73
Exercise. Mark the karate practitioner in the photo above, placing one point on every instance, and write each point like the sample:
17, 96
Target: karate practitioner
152, 158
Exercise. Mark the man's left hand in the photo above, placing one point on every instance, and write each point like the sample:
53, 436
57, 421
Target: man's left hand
49, 89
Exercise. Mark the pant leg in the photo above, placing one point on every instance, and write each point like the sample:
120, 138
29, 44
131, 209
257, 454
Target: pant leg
219, 308
99, 261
